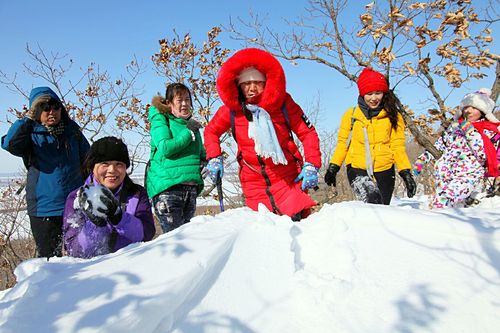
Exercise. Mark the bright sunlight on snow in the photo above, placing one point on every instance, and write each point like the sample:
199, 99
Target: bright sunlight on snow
351, 267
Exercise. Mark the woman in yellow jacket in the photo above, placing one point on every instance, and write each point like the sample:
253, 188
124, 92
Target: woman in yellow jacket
371, 140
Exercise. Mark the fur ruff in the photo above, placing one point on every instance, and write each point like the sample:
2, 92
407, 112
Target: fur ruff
159, 103
275, 90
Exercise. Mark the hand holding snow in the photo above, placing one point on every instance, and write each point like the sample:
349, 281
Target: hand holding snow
97, 202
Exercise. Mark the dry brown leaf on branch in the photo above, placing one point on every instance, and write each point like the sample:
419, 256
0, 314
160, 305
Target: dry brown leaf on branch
396, 14
421, 43
362, 32
366, 19
409, 68
424, 62
418, 5
487, 39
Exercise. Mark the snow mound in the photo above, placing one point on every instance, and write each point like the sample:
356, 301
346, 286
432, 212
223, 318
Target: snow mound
351, 267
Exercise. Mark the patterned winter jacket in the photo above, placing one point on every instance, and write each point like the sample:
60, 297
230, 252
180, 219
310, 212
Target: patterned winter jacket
84, 239
387, 146
53, 162
463, 153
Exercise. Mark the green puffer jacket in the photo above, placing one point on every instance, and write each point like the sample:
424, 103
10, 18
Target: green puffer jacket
175, 158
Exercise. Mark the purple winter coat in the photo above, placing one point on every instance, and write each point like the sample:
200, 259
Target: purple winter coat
84, 239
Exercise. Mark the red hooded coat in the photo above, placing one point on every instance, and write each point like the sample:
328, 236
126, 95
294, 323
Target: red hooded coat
263, 181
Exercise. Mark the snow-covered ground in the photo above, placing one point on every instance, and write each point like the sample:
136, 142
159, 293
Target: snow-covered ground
351, 267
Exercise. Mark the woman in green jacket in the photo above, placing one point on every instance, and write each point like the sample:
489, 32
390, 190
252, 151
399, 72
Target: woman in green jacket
174, 178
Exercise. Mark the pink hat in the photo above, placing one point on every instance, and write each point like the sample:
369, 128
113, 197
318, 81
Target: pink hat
250, 74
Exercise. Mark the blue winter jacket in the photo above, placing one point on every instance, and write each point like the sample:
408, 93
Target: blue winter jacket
53, 163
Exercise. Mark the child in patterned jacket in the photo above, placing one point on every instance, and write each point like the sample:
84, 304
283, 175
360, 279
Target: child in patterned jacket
468, 152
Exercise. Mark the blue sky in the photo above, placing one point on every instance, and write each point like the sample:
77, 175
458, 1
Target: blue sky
110, 33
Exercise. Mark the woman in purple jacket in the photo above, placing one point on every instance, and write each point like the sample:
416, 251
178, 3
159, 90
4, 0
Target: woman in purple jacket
109, 211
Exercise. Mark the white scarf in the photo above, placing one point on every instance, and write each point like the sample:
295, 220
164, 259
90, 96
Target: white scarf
262, 131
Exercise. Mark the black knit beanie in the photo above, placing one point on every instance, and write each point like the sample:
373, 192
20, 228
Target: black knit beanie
108, 148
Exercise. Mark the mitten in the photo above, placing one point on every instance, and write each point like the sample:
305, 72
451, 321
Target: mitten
418, 166
331, 174
411, 186
309, 176
215, 168
193, 125
99, 204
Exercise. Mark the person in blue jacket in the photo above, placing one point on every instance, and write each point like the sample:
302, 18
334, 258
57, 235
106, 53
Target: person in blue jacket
53, 149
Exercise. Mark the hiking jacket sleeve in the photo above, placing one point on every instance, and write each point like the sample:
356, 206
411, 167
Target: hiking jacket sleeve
305, 132
18, 141
426, 156
161, 136
220, 123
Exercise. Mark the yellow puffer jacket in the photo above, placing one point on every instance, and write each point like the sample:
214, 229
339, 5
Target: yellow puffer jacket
387, 145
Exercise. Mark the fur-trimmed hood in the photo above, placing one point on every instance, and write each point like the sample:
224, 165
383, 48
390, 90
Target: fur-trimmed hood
275, 90
159, 103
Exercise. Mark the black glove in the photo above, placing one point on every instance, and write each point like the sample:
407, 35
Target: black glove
331, 174
411, 186
193, 125
99, 204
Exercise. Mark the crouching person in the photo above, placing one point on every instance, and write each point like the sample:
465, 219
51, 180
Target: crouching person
109, 211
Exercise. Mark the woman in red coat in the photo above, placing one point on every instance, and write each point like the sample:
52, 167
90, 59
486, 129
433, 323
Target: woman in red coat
251, 84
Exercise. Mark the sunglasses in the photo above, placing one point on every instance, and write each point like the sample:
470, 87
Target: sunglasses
47, 106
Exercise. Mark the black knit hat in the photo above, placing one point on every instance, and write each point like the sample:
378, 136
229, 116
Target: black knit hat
108, 148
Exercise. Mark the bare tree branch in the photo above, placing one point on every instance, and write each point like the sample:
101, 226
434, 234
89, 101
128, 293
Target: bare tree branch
495, 89
438, 43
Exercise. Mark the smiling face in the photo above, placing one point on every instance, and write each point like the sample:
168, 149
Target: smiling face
373, 99
110, 173
252, 90
472, 114
180, 106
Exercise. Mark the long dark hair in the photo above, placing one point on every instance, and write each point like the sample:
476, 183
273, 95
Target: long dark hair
129, 188
392, 106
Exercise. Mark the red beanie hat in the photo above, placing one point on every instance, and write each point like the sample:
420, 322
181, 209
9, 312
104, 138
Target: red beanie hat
370, 80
